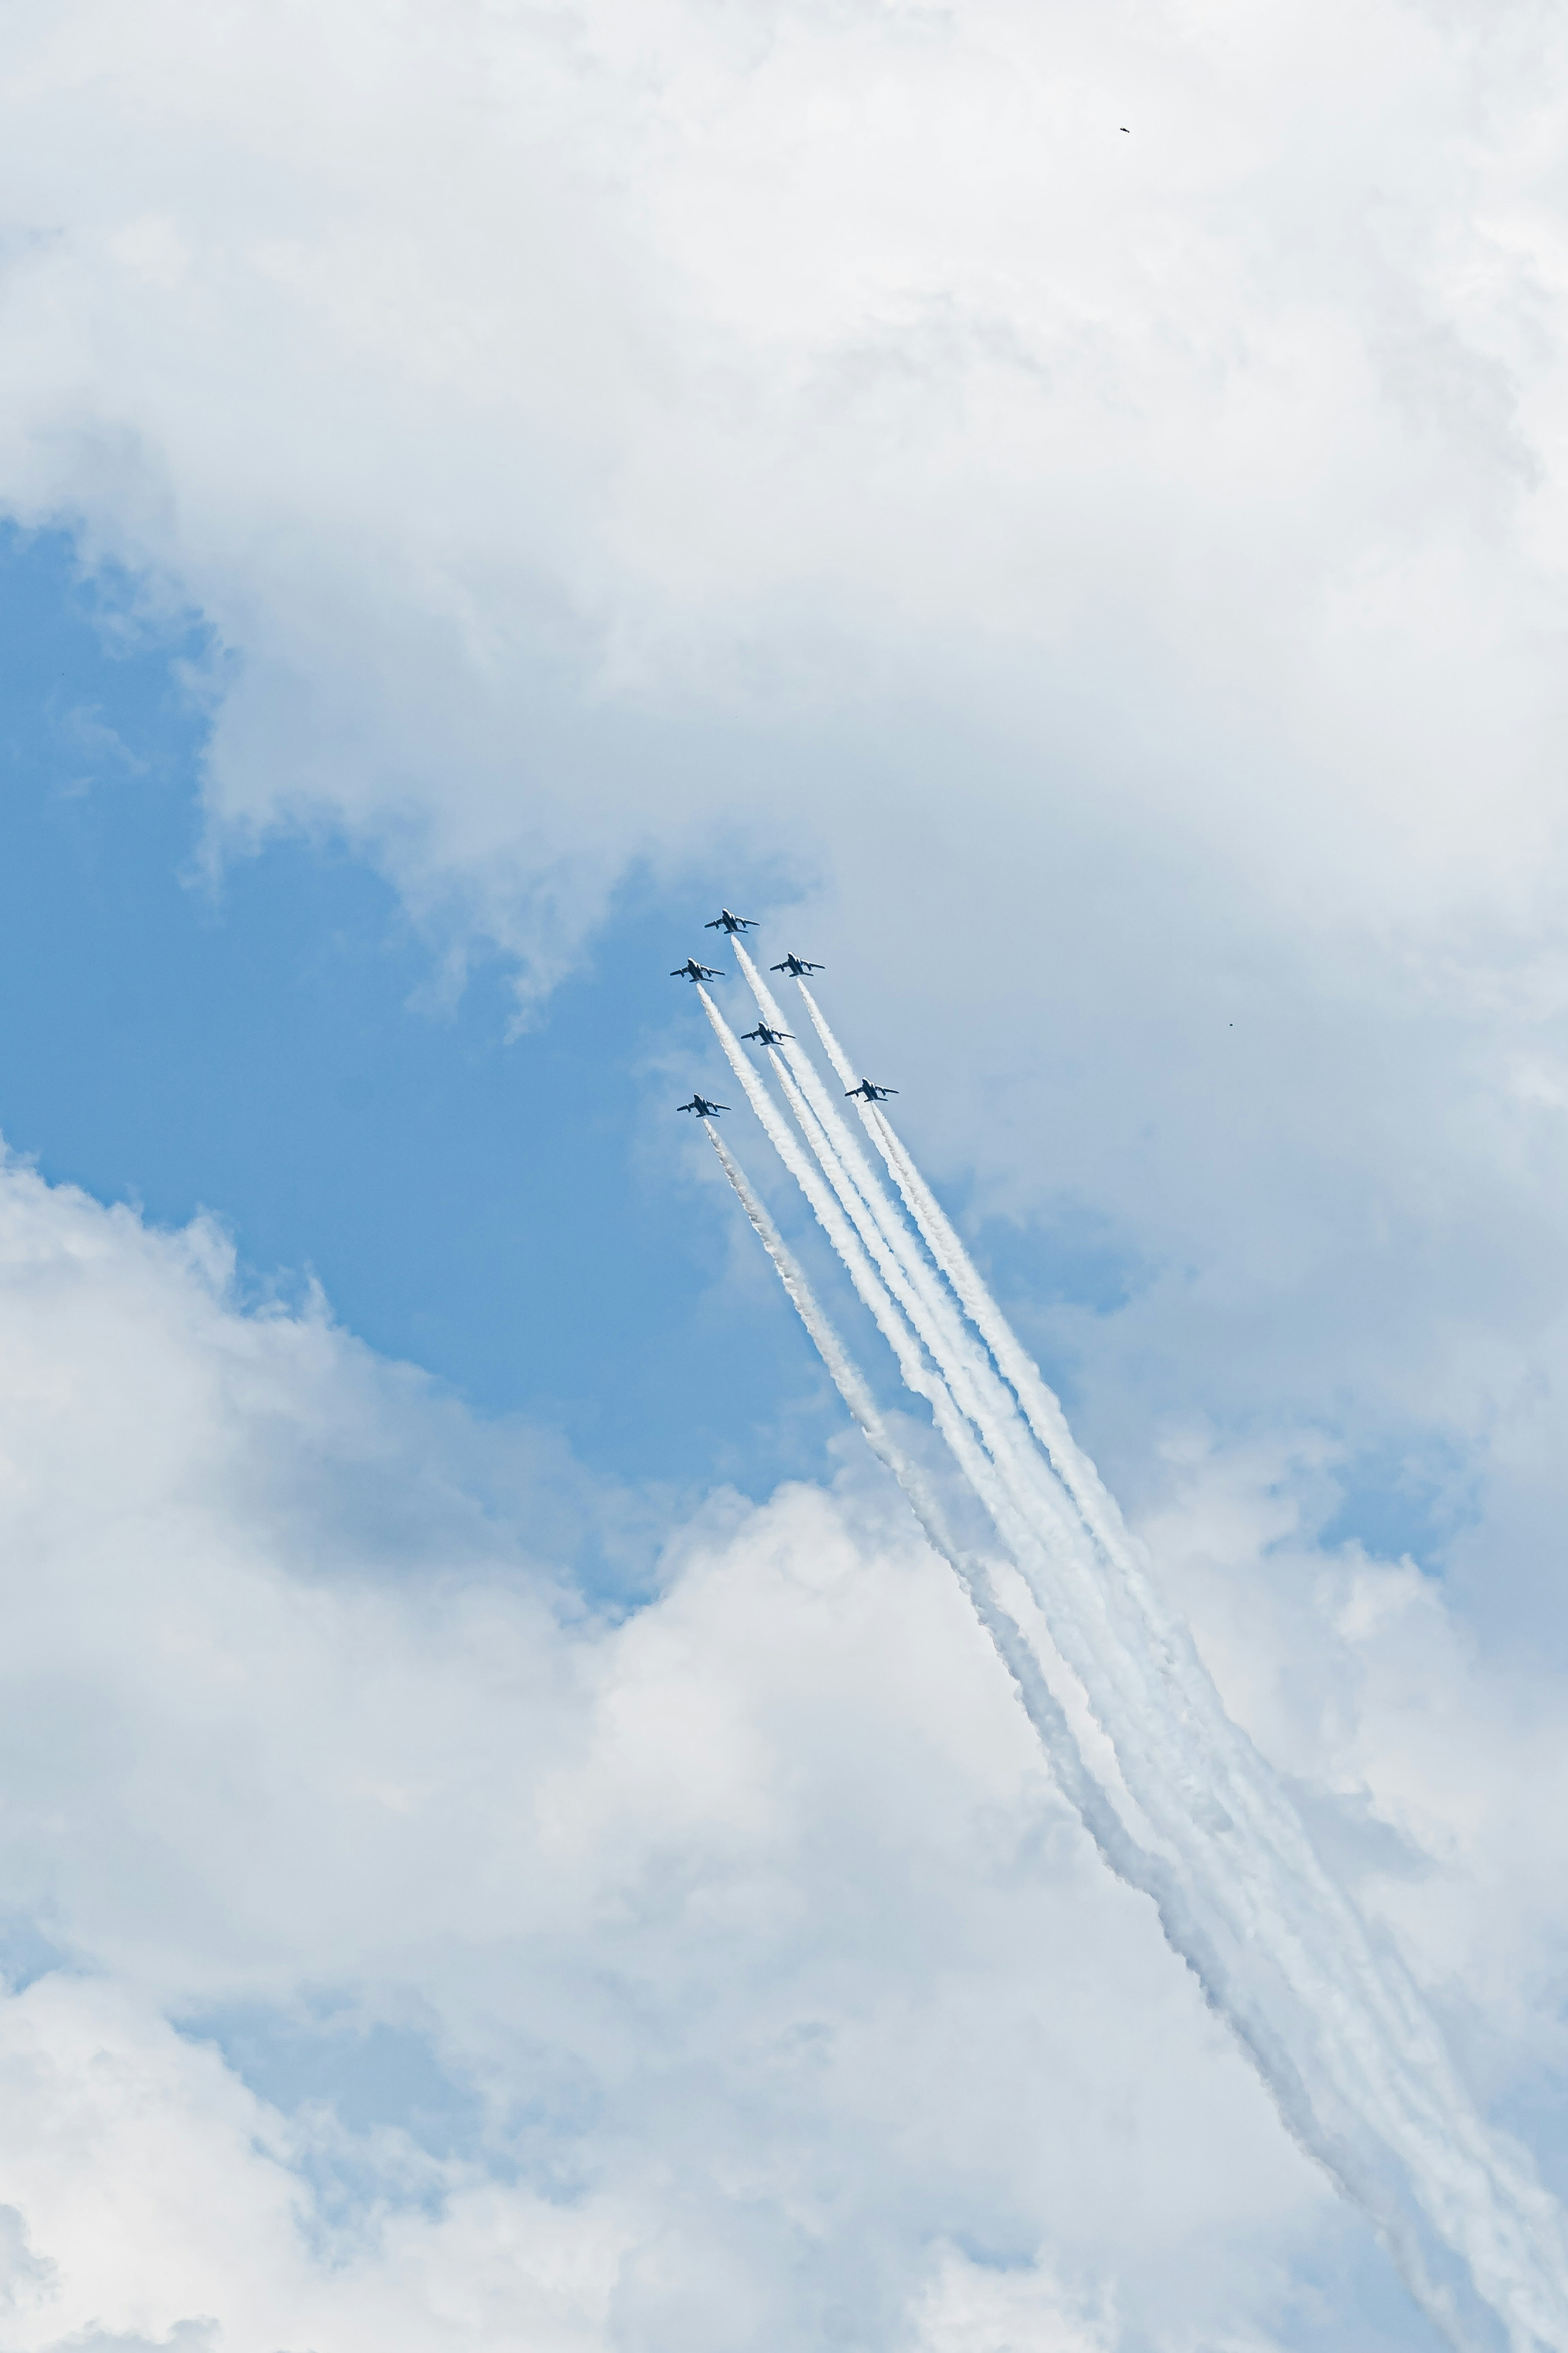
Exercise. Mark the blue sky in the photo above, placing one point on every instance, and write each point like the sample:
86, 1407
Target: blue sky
506, 1210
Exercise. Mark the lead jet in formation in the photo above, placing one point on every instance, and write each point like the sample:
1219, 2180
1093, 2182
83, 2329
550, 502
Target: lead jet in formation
766, 1037
692, 970
869, 1091
702, 1107
725, 922
794, 965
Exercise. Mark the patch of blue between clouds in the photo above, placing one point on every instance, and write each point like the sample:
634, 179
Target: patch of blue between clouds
518, 1218
370, 2074
380, 2120
27, 1952
1070, 1256
1407, 1499
1346, 2297
1073, 1255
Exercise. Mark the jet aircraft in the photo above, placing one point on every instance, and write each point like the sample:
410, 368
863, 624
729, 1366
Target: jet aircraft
702, 1107
870, 1092
692, 970
795, 965
725, 922
766, 1037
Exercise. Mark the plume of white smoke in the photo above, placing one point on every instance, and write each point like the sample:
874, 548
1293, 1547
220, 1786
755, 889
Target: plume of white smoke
1335, 2026
1041, 1703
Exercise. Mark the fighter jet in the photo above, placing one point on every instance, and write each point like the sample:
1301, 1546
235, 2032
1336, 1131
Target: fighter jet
870, 1092
702, 1107
795, 965
766, 1037
692, 970
725, 922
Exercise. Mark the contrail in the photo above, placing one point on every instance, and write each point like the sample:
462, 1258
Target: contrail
1048, 1538
1041, 1703
990, 1407
922, 1377
1041, 1408
1334, 2024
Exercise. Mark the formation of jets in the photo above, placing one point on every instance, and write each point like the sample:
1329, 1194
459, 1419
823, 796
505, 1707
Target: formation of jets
729, 924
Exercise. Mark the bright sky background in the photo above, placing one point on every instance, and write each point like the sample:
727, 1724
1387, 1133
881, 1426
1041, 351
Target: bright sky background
506, 1839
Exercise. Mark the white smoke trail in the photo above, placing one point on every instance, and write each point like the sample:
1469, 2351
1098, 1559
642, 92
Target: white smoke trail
975, 1415
1041, 1703
1337, 2029
847, 1379
1097, 1808
987, 1403
1203, 1713
874, 1272
1046, 1535
827, 1204
1041, 1408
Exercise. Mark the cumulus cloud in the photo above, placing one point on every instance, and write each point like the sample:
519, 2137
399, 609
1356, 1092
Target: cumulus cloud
482, 373
732, 1974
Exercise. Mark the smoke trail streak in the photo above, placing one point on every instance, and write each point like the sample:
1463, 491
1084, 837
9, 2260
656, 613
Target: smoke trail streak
1041, 1703
1098, 1508
976, 1416
1125, 1712
1044, 1533
1151, 1643
1229, 1896
1096, 1806
1117, 1562
828, 1205
1336, 2028
1041, 1408
1101, 1514
986, 1400
848, 1378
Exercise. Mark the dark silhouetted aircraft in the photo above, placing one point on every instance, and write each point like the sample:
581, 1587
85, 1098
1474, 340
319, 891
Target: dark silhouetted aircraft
795, 965
692, 970
725, 922
870, 1092
702, 1107
766, 1037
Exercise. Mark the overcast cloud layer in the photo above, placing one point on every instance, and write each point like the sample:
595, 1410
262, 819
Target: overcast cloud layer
1131, 562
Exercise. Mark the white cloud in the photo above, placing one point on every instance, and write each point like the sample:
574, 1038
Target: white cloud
497, 359
748, 1983
1133, 562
